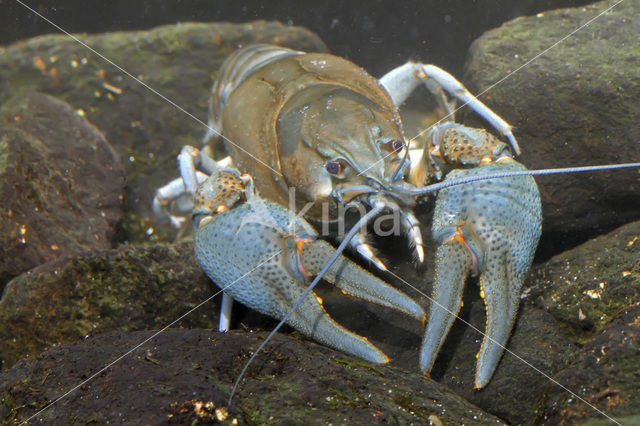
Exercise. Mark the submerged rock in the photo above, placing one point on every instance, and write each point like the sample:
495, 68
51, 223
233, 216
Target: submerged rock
594, 289
605, 374
538, 346
576, 104
61, 184
131, 288
185, 376
147, 128
586, 287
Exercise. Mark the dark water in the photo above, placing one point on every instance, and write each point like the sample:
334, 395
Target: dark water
373, 34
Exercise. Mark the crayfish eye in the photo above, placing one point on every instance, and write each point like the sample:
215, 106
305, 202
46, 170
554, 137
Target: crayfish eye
394, 145
397, 145
334, 167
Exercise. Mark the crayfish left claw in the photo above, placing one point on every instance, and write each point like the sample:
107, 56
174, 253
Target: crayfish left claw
491, 226
453, 263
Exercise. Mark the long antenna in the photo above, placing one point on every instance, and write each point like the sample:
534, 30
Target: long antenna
441, 185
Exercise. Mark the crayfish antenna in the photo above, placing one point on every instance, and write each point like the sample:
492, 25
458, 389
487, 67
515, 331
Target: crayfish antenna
441, 185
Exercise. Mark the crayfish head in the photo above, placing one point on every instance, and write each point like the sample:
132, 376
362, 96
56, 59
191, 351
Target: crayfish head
337, 146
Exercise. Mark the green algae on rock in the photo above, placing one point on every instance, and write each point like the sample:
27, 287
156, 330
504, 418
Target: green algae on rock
586, 287
131, 288
605, 373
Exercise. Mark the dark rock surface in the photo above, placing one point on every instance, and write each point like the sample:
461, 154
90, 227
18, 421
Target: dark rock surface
178, 61
538, 346
182, 376
61, 184
594, 290
131, 288
588, 286
577, 104
605, 374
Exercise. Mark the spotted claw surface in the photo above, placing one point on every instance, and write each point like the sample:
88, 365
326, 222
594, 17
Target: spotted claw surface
490, 228
263, 256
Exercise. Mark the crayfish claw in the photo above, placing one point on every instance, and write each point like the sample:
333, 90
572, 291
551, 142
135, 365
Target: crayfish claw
282, 253
501, 293
492, 226
453, 263
357, 282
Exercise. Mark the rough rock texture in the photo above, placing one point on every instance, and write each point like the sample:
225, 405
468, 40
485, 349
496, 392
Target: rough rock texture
594, 290
147, 129
577, 104
184, 376
538, 347
605, 374
586, 287
132, 288
61, 184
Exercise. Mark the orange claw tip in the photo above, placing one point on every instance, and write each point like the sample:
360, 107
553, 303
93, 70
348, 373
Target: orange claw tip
478, 386
420, 252
300, 242
380, 265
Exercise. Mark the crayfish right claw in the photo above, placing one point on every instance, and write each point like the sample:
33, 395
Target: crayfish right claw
355, 281
281, 252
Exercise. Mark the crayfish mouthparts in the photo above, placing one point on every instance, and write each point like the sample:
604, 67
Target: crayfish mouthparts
395, 219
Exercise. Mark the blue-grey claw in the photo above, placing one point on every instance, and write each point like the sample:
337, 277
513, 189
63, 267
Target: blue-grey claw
492, 228
282, 253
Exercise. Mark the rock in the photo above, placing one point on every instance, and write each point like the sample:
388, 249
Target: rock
576, 104
185, 376
586, 287
131, 288
147, 128
605, 374
594, 290
538, 346
61, 184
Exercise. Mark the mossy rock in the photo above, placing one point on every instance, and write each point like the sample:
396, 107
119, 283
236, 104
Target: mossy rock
572, 104
130, 288
586, 287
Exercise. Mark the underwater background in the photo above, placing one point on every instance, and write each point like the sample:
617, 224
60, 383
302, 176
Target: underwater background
87, 272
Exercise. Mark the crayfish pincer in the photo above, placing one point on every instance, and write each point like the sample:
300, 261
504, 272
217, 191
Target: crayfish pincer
488, 228
263, 256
